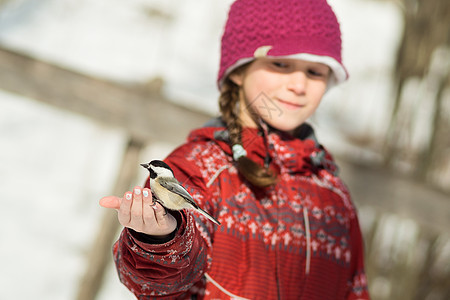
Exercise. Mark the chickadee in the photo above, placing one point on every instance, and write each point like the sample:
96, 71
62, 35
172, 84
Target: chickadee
168, 191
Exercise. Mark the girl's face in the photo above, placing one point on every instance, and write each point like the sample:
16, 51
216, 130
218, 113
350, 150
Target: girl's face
283, 92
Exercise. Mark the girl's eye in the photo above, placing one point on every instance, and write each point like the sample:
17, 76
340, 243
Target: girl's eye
315, 73
280, 65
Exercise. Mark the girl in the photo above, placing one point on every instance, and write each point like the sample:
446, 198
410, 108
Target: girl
289, 229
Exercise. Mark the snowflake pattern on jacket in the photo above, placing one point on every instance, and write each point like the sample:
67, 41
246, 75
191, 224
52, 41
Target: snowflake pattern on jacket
299, 239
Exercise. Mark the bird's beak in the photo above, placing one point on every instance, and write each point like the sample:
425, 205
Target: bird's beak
145, 165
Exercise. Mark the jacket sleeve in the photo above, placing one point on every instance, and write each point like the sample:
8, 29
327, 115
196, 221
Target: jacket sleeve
161, 270
358, 281
164, 271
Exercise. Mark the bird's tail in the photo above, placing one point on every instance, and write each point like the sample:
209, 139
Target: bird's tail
208, 216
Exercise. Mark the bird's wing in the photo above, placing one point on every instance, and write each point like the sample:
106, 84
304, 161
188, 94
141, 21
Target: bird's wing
175, 187
178, 189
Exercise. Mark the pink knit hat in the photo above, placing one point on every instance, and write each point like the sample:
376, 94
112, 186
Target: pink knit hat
302, 29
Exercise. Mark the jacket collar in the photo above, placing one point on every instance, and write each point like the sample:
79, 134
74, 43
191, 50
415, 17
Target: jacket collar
300, 153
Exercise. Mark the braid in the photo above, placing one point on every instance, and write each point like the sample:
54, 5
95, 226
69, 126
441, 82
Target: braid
228, 103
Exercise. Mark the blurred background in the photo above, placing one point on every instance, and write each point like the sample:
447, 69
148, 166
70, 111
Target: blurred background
89, 89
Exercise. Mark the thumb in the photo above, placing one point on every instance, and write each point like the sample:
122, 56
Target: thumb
110, 202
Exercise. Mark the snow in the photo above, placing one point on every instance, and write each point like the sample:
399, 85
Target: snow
119, 41
55, 165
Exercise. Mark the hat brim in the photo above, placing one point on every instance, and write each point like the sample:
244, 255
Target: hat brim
338, 72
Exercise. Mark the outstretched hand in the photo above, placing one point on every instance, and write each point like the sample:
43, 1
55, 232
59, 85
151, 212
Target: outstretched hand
138, 211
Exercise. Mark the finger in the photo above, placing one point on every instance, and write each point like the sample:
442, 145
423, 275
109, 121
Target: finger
125, 208
110, 202
160, 213
136, 207
148, 212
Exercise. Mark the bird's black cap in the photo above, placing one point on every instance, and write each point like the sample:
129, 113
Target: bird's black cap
155, 163
159, 163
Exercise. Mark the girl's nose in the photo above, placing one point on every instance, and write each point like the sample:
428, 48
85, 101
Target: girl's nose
297, 82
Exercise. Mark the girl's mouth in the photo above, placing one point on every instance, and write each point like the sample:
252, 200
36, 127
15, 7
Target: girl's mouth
290, 105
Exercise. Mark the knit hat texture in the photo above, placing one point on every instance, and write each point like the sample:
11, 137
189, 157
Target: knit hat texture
303, 29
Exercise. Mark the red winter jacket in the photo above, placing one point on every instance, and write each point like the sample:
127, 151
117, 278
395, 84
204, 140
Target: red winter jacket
297, 240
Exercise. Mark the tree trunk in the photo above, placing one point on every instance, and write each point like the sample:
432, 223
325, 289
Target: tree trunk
426, 30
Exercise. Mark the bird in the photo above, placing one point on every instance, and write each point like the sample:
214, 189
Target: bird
168, 191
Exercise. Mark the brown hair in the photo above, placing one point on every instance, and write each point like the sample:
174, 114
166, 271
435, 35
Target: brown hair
229, 107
